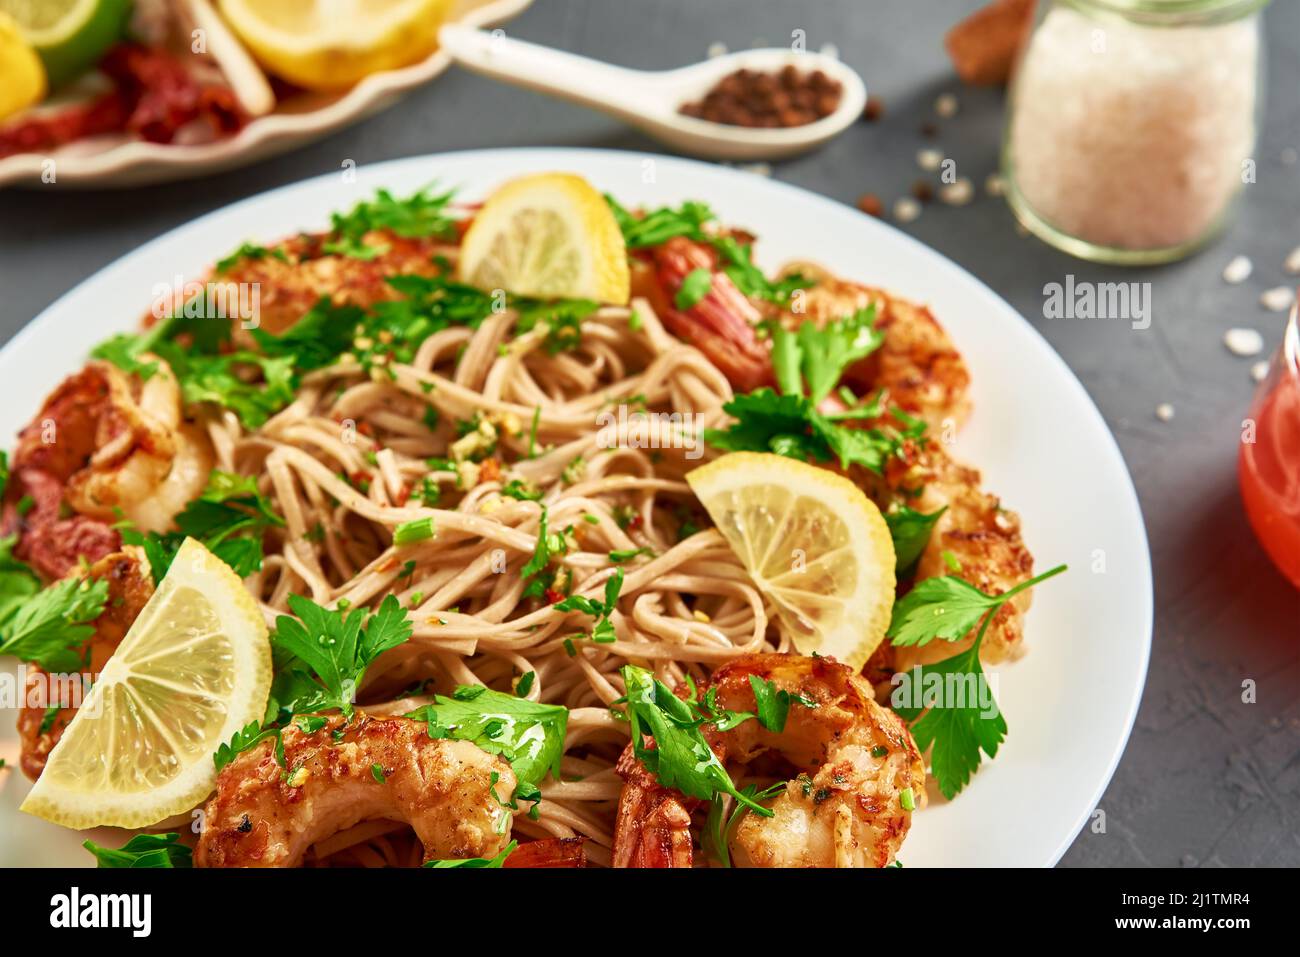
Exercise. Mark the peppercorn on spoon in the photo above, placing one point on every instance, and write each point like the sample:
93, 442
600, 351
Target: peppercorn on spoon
651, 100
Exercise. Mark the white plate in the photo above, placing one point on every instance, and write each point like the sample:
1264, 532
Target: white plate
303, 120
1040, 441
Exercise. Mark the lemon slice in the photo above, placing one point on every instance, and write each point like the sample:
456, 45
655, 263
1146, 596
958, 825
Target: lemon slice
331, 44
24, 77
816, 546
194, 668
69, 35
550, 235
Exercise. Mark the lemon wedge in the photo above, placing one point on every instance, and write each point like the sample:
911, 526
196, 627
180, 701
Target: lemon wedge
194, 668
331, 44
550, 235
814, 544
24, 77
69, 35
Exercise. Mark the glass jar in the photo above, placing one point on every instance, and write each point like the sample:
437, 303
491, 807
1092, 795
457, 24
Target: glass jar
1131, 124
1268, 467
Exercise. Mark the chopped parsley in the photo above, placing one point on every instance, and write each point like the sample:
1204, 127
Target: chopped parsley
416, 530
695, 286
50, 626
603, 631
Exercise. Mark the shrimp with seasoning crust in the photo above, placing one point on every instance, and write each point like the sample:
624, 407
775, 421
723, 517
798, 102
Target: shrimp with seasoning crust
129, 587
857, 775
109, 447
452, 793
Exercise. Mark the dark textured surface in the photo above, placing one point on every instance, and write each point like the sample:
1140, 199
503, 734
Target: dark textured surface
1206, 779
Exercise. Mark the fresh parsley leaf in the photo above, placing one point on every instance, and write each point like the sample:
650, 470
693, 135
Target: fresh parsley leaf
681, 758
18, 583
229, 518
956, 730
51, 626
772, 704
790, 423
911, 532
695, 286
144, 850
526, 733
822, 355
943, 607
719, 827
243, 740
478, 862
323, 654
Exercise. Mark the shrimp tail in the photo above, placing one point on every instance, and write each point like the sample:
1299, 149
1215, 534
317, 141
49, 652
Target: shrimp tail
653, 828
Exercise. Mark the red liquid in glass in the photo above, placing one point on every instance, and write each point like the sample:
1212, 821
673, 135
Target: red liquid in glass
1269, 474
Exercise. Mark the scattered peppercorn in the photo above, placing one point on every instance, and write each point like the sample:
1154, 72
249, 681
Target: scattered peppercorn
871, 204
923, 191
771, 100
874, 109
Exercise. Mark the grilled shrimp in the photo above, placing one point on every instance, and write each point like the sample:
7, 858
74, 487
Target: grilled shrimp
129, 587
452, 793
147, 464
981, 536
109, 447
854, 758
653, 827
298, 273
721, 325
916, 363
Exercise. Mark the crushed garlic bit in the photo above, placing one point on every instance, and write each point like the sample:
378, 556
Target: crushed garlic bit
1164, 412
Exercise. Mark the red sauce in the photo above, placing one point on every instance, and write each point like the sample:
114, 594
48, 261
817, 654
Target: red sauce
1269, 473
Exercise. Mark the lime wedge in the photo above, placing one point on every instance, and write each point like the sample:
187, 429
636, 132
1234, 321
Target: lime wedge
69, 35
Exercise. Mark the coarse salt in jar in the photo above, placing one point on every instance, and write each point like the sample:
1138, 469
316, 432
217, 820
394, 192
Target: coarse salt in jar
1131, 124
